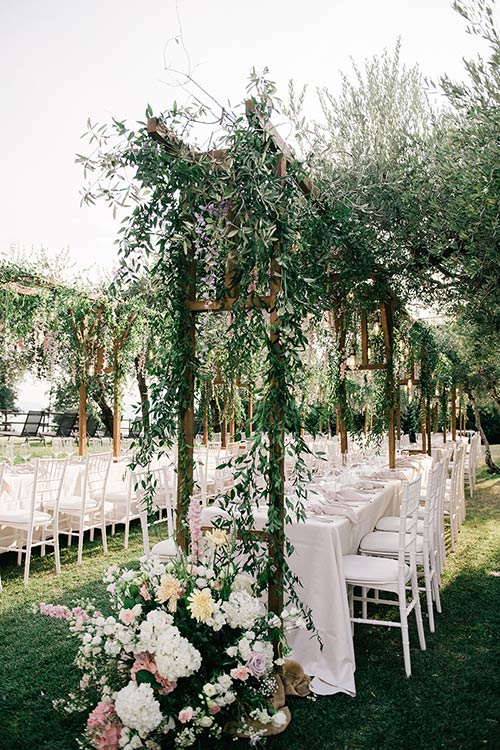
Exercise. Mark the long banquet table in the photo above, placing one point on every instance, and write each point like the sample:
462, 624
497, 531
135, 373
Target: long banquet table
319, 544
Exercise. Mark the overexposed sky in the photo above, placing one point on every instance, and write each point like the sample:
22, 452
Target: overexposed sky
63, 61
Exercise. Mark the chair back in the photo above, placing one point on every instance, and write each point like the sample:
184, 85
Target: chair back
408, 523
157, 485
434, 484
49, 482
67, 423
96, 477
32, 424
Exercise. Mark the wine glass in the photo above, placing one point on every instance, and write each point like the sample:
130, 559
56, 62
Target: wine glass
25, 451
68, 447
57, 448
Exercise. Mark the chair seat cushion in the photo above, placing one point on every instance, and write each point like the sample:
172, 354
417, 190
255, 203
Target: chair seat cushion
361, 570
120, 497
384, 542
73, 503
165, 548
391, 523
23, 517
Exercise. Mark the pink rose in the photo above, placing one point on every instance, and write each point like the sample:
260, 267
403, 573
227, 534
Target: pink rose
127, 616
239, 673
214, 709
185, 715
104, 727
257, 664
145, 661
144, 592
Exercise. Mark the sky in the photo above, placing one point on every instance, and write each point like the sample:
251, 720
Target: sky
62, 62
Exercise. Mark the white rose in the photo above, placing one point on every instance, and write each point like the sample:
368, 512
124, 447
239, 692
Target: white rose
206, 721
209, 690
232, 651
225, 681
279, 719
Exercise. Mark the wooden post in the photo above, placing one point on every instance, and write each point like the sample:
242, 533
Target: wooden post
453, 412
223, 434
387, 313
117, 416
429, 427
276, 542
423, 428
82, 420
340, 335
185, 445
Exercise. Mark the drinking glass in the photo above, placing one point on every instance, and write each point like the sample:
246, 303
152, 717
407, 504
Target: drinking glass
57, 447
25, 451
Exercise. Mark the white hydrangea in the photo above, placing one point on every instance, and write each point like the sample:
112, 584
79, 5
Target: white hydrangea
243, 582
137, 708
152, 627
175, 656
242, 609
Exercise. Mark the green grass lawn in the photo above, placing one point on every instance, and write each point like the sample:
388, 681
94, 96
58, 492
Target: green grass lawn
452, 700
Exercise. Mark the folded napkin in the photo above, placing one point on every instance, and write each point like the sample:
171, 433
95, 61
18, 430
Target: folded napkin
366, 485
389, 474
333, 509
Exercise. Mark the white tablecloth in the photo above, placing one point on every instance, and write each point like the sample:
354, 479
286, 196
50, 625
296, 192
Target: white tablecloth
317, 561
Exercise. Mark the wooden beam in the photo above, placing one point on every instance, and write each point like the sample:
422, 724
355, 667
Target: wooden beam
226, 305
305, 184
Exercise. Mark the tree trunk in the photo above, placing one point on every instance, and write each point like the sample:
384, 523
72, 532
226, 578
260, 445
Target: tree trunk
106, 410
492, 467
143, 392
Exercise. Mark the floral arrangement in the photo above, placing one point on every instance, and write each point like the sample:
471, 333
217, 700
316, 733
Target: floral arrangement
187, 653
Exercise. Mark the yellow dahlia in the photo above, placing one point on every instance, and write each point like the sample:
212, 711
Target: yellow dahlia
201, 605
169, 590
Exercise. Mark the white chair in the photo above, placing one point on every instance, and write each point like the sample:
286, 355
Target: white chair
471, 463
155, 489
35, 522
86, 512
392, 576
385, 542
120, 506
453, 495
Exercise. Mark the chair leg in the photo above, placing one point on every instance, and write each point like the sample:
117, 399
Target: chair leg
127, 530
428, 594
404, 632
364, 603
92, 534
104, 537
57, 555
27, 560
80, 543
350, 599
435, 590
42, 548
418, 611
